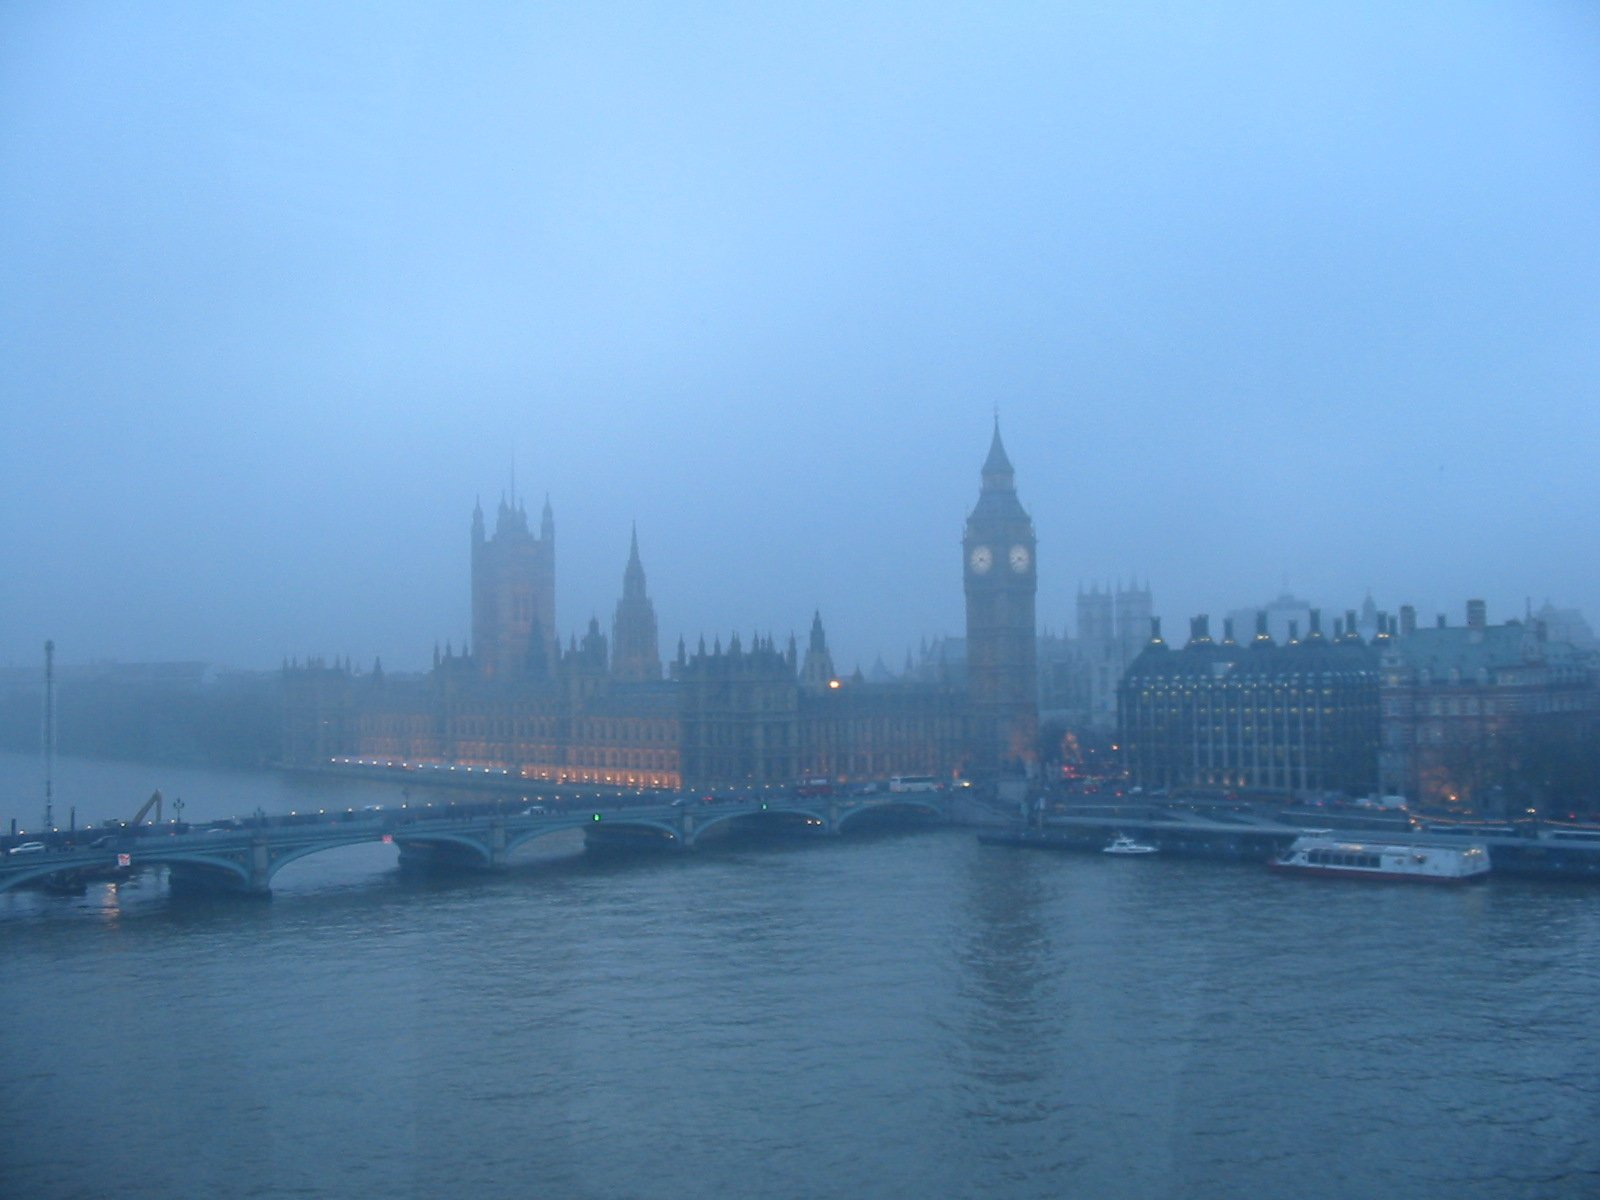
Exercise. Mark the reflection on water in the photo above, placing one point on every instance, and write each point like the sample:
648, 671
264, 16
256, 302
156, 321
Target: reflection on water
895, 1015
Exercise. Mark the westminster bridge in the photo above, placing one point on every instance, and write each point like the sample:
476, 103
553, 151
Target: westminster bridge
243, 855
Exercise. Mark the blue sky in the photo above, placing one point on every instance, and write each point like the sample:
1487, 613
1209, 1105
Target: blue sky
1267, 296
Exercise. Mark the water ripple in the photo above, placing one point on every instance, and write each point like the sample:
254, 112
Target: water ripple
891, 1016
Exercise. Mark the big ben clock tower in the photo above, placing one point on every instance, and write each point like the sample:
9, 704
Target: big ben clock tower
1001, 578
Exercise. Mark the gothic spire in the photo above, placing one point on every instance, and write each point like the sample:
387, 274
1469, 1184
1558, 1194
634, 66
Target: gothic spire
997, 472
817, 670
635, 649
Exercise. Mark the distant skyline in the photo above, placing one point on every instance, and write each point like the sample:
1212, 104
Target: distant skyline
1269, 299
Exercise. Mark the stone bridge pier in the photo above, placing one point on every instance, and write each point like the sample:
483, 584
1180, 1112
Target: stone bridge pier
245, 872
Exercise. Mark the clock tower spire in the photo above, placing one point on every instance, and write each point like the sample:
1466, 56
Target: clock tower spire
1001, 579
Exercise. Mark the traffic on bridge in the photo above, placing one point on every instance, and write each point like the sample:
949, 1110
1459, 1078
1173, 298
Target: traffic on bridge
242, 854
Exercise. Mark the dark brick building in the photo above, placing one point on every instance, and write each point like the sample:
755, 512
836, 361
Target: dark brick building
1482, 717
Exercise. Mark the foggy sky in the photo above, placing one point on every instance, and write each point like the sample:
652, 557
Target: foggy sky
1267, 296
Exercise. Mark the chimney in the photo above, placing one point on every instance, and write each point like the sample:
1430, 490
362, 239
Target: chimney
1477, 615
1408, 620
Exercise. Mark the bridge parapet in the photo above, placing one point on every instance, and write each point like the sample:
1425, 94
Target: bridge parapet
246, 855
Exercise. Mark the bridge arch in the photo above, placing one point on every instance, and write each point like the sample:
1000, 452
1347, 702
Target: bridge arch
233, 871
713, 817
897, 805
295, 853
43, 870
545, 829
673, 829
476, 847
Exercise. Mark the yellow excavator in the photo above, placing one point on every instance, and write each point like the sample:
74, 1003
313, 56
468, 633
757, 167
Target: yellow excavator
144, 809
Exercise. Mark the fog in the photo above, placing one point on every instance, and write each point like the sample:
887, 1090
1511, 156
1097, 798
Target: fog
1265, 297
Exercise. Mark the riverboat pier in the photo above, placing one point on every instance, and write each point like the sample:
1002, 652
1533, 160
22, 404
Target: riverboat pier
1543, 852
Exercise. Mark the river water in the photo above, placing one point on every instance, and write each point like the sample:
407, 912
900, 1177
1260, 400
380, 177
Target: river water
895, 1013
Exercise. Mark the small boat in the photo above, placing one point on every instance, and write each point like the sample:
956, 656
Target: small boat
1419, 861
1123, 844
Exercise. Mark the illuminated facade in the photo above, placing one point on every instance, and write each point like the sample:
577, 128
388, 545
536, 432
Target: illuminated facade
1299, 717
599, 712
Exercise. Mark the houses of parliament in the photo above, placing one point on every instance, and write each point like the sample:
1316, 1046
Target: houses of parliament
607, 711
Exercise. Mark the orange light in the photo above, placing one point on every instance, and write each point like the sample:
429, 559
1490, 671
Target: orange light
833, 683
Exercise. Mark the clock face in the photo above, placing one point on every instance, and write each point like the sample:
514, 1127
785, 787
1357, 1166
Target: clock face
1019, 559
982, 559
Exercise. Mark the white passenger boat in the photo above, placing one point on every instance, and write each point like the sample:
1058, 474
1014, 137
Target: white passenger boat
1338, 857
1123, 844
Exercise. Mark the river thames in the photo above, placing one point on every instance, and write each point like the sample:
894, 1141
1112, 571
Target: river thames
897, 1013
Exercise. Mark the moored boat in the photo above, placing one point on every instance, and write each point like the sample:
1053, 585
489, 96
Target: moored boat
1422, 862
1123, 844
